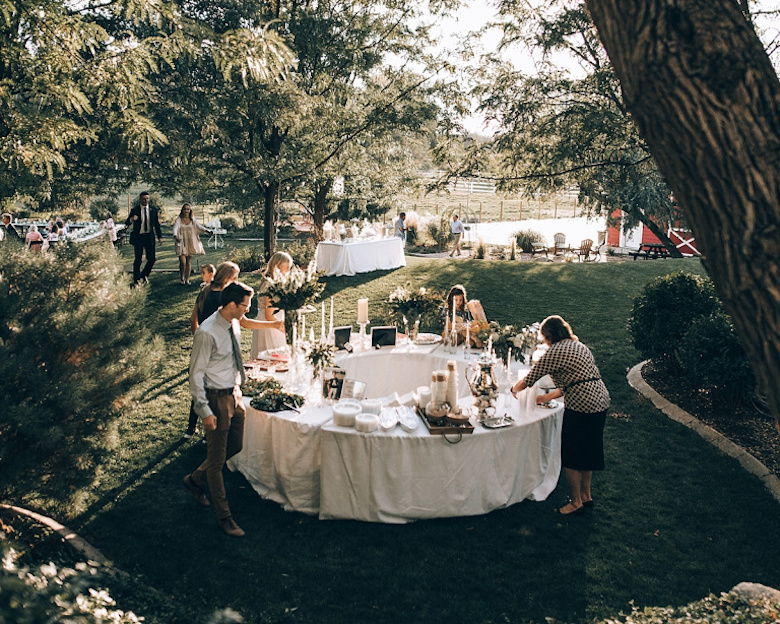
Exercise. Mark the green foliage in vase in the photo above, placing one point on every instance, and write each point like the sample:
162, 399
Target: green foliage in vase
295, 289
74, 345
320, 355
423, 304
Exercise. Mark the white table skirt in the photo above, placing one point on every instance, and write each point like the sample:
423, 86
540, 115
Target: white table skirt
307, 464
360, 257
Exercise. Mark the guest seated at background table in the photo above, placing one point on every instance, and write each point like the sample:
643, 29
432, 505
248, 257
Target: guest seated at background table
573, 369
34, 239
458, 307
270, 338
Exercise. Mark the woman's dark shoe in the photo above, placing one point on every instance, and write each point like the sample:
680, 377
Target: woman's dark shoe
570, 510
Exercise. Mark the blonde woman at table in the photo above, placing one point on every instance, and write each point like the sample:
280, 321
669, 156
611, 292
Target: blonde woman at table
265, 339
573, 369
186, 231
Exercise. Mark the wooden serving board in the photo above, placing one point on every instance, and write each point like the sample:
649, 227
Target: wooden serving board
435, 429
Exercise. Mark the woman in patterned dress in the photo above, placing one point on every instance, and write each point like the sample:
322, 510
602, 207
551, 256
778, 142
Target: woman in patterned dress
577, 379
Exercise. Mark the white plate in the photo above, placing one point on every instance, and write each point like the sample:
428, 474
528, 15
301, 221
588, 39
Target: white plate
427, 339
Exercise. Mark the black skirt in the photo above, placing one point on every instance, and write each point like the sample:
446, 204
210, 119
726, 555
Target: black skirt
582, 440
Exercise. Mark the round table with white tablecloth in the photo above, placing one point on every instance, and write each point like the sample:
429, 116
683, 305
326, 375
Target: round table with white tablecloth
306, 463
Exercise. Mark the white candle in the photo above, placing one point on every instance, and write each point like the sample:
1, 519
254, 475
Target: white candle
330, 329
311, 335
303, 327
322, 331
362, 311
468, 337
295, 335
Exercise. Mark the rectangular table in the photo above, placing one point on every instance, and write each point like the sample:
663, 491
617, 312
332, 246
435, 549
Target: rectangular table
360, 256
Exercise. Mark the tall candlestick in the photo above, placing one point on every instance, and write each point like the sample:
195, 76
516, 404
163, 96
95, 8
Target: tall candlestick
294, 336
362, 311
311, 335
322, 331
303, 327
330, 329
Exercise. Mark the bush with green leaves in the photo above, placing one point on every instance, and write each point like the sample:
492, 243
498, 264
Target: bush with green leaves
713, 357
56, 595
249, 258
302, 251
101, 208
439, 231
525, 239
728, 608
73, 346
665, 309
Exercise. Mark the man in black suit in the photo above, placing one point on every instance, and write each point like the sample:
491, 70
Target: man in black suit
145, 221
9, 230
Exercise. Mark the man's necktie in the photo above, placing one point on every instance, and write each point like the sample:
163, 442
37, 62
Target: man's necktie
237, 354
144, 220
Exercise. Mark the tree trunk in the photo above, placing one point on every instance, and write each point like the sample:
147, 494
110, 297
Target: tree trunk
661, 236
271, 200
707, 101
320, 203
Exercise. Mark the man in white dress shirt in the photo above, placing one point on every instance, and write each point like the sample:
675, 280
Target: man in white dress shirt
216, 374
457, 232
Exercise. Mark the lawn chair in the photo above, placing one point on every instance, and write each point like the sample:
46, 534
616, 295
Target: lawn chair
560, 241
583, 253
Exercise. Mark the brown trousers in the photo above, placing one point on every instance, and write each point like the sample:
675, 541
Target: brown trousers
222, 443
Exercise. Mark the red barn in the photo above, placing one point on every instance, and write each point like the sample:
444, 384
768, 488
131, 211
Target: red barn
634, 238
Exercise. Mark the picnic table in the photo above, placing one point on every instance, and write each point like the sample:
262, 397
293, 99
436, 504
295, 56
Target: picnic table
650, 251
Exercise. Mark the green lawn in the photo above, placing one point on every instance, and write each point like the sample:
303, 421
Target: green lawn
675, 518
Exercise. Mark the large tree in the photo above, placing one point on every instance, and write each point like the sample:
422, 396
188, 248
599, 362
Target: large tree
257, 142
565, 127
77, 88
706, 98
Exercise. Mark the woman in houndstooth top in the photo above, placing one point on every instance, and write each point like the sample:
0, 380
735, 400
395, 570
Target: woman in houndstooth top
577, 379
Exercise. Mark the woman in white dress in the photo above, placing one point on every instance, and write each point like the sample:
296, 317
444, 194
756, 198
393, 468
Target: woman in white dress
265, 339
186, 232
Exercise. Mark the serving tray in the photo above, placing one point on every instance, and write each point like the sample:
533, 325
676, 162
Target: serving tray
436, 429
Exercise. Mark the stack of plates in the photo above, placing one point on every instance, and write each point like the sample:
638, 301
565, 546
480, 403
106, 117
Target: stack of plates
366, 423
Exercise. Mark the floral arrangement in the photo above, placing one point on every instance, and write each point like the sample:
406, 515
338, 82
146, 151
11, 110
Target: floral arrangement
505, 337
320, 356
409, 305
268, 395
295, 289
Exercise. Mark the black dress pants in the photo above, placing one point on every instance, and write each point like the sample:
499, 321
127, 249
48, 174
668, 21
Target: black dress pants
143, 243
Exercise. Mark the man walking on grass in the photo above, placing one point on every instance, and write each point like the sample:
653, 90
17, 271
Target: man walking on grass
144, 221
457, 232
216, 373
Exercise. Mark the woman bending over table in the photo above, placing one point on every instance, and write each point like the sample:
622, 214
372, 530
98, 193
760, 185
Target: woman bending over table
265, 339
457, 307
577, 379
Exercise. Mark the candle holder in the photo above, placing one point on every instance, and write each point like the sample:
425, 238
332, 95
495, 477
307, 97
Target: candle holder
362, 338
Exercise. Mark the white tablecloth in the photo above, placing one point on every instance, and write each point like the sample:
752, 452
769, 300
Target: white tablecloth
307, 464
360, 257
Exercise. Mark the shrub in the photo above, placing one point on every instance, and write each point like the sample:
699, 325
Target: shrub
713, 357
248, 258
51, 594
99, 208
439, 231
525, 239
230, 223
302, 251
72, 346
665, 309
480, 250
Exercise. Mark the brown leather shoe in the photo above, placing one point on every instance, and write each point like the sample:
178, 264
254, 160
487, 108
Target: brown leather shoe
196, 491
229, 526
